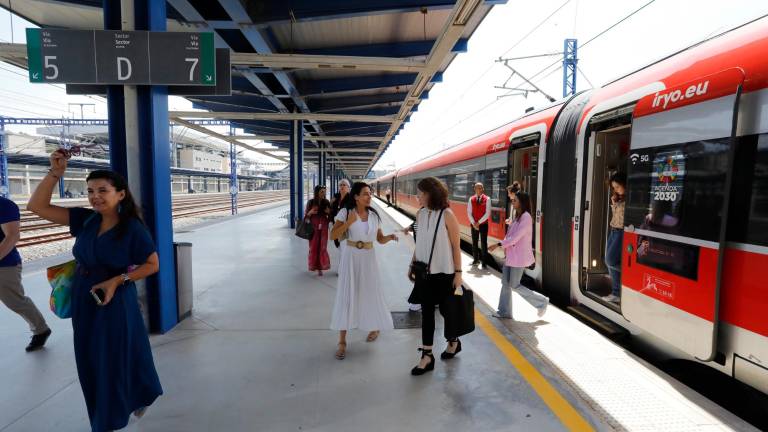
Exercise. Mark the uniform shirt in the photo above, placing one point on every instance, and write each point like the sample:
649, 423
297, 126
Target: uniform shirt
471, 209
9, 212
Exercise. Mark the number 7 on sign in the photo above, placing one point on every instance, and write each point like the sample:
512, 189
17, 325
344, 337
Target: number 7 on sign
194, 62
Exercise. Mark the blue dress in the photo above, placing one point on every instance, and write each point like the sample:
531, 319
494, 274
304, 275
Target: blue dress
112, 351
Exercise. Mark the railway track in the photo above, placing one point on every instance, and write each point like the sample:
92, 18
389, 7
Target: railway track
182, 207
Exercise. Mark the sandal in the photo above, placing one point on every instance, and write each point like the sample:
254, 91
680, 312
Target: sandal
372, 336
341, 353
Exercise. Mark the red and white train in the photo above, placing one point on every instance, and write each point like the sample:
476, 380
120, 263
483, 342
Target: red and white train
691, 132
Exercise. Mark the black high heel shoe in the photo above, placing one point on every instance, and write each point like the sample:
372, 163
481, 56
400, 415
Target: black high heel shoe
447, 356
429, 367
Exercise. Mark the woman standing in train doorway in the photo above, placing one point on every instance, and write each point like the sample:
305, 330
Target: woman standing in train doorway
359, 298
318, 214
518, 248
113, 250
615, 235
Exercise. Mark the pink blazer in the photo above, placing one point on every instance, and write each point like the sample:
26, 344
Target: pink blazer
518, 243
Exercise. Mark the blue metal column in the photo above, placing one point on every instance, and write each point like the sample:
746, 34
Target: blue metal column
296, 167
155, 169
570, 61
332, 179
5, 190
233, 187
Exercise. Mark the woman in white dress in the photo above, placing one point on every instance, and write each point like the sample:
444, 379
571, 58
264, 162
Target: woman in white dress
359, 299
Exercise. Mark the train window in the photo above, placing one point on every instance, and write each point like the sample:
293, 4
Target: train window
678, 189
757, 231
748, 215
479, 177
461, 187
496, 186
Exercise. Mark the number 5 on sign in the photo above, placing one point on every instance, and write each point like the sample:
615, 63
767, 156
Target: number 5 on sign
194, 62
49, 65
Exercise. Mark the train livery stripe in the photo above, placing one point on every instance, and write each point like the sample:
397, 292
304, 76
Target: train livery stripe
692, 296
564, 411
744, 299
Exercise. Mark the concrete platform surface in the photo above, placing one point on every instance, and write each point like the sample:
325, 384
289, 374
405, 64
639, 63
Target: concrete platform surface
257, 355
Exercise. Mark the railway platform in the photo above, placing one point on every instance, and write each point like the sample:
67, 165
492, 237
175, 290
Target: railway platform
257, 355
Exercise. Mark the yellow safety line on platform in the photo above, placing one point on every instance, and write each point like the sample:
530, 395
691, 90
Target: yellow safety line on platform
567, 414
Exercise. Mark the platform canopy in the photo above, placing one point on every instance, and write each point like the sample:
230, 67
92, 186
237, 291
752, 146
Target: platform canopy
352, 70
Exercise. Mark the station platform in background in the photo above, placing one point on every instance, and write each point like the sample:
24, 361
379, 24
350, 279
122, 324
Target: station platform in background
257, 355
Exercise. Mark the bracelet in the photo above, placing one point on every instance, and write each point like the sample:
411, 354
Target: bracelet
457, 271
50, 172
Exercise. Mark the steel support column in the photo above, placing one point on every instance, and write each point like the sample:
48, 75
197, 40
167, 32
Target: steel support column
570, 60
296, 167
139, 150
233, 187
5, 190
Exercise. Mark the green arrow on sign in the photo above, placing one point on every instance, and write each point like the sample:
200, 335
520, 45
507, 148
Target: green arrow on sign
34, 57
207, 59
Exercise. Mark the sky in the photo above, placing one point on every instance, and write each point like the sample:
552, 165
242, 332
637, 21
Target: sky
466, 103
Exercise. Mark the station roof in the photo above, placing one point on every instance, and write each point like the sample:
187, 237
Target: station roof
353, 70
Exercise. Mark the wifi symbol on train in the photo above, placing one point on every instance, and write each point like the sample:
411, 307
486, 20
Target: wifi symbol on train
634, 158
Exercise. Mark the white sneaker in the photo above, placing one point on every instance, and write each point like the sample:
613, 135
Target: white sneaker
414, 307
611, 298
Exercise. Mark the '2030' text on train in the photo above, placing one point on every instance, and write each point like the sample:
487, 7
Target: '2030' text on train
691, 133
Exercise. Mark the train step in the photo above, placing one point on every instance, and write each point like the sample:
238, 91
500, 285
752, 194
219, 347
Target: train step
598, 322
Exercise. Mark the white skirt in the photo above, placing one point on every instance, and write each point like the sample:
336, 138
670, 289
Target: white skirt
359, 301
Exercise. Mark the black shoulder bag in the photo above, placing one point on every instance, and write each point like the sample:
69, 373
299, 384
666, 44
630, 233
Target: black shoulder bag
420, 269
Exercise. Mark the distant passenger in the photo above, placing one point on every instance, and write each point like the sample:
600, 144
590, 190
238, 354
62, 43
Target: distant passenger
319, 215
618, 183
337, 203
113, 249
517, 245
438, 247
359, 297
478, 212
11, 289
389, 197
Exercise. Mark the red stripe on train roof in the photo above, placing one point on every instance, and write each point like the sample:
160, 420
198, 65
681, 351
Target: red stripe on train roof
485, 143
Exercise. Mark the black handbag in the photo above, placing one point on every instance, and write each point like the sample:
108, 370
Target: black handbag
460, 314
420, 269
304, 229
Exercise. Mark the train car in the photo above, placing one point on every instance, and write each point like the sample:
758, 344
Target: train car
691, 133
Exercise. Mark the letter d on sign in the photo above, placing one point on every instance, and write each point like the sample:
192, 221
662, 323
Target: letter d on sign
120, 75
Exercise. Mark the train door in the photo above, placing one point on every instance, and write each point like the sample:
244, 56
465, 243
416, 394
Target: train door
606, 155
524, 165
680, 168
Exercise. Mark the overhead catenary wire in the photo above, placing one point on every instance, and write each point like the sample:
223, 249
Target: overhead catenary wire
493, 63
598, 35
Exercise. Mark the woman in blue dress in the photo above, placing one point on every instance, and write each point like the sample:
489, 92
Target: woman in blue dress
113, 249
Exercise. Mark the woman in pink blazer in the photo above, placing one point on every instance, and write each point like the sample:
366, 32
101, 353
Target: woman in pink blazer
518, 248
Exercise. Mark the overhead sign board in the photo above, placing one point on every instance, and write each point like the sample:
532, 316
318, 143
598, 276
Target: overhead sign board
223, 85
121, 57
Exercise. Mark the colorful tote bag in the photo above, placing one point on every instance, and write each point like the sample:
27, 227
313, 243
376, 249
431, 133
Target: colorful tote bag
61, 277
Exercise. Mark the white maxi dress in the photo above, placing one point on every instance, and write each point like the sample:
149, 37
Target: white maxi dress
359, 299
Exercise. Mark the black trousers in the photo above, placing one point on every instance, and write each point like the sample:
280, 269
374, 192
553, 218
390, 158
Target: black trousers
438, 288
477, 254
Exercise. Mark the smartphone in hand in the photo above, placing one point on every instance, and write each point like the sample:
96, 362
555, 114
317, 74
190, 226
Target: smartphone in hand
98, 295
